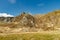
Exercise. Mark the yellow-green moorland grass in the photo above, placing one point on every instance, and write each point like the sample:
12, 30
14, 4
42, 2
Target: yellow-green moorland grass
31, 36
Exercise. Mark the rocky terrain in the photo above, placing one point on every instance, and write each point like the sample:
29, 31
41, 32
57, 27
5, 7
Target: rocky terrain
30, 23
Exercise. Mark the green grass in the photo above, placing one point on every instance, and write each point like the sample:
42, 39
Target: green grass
31, 36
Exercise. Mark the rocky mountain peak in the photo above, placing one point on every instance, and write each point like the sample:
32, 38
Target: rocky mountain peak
25, 20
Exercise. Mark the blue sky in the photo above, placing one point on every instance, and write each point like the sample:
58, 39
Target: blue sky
15, 7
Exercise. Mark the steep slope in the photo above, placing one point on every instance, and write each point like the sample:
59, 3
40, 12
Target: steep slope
50, 20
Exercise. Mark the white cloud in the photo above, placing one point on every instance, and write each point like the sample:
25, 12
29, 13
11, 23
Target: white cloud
12, 1
41, 4
5, 15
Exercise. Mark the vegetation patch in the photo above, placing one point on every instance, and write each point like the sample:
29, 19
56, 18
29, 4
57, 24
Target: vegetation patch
31, 36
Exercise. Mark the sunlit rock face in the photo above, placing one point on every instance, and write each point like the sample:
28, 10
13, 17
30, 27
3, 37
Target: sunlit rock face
25, 20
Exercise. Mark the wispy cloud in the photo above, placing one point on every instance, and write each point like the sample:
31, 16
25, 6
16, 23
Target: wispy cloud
12, 1
41, 4
5, 15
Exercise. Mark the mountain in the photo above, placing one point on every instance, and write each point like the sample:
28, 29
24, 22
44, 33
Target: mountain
32, 23
25, 20
6, 19
50, 21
